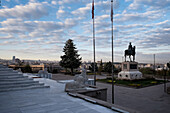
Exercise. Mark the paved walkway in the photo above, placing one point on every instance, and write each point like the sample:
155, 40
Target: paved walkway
145, 100
46, 100
69, 77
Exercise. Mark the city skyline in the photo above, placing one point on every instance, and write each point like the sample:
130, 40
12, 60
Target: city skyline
38, 29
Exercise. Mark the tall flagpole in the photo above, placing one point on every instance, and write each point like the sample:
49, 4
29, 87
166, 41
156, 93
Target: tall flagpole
94, 43
112, 53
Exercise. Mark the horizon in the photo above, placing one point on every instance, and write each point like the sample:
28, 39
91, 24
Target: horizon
83, 61
38, 29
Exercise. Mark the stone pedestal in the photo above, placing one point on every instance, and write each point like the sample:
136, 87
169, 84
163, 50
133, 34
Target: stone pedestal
130, 71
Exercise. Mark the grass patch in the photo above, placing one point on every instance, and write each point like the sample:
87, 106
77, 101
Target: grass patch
93, 73
133, 83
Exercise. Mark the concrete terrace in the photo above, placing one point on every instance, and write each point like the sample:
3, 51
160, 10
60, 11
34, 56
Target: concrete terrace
46, 100
17, 97
151, 99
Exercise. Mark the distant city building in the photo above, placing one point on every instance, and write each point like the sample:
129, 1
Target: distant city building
13, 59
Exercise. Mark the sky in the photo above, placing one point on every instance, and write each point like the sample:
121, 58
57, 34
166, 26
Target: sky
38, 29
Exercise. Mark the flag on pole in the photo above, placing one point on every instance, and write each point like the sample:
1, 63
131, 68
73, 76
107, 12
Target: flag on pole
111, 10
93, 9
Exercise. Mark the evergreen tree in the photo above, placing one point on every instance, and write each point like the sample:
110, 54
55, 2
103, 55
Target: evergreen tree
92, 67
27, 69
70, 59
168, 65
108, 67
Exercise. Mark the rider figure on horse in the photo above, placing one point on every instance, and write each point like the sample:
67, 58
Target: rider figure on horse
130, 51
130, 46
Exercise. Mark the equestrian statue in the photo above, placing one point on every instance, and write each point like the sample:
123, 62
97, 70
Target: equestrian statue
130, 51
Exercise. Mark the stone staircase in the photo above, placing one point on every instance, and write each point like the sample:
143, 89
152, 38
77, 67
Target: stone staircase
11, 80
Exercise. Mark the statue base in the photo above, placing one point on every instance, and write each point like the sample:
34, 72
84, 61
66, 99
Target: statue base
130, 71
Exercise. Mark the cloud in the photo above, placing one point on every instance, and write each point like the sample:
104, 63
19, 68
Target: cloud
138, 17
6, 37
162, 57
62, 2
41, 28
61, 13
137, 4
82, 11
28, 11
53, 2
20, 26
70, 22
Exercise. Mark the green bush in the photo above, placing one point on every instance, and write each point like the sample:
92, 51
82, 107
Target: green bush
26, 69
147, 70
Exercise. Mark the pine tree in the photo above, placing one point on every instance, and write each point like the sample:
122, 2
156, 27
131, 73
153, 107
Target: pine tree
71, 57
108, 67
27, 69
92, 67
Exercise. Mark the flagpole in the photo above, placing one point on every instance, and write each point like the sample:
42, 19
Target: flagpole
94, 43
112, 53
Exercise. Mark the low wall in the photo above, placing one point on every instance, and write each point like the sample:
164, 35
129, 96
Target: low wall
98, 93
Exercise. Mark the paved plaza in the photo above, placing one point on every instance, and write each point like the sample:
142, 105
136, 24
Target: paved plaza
46, 100
55, 100
144, 100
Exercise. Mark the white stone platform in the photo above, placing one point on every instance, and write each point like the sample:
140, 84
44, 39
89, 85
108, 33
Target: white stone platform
130, 75
46, 100
130, 71
89, 82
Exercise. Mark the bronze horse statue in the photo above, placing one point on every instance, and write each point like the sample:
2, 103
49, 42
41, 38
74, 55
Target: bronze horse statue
130, 51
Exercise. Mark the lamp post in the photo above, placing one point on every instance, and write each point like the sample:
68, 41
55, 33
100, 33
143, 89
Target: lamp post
154, 63
164, 72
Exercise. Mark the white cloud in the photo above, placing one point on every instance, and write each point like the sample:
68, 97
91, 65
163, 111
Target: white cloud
136, 17
60, 13
21, 26
61, 2
29, 11
53, 2
137, 4
82, 11
70, 22
7, 37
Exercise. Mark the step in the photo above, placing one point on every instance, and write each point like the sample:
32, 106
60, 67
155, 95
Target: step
15, 79
16, 76
8, 71
20, 85
23, 88
18, 82
10, 74
3, 67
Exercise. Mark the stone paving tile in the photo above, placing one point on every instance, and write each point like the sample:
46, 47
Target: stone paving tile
24, 104
47, 104
78, 109
145, 100
55, 107
61, 111
90, 111
52, 100
34, 111
10, 110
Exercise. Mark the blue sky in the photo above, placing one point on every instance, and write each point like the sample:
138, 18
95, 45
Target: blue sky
38, 29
